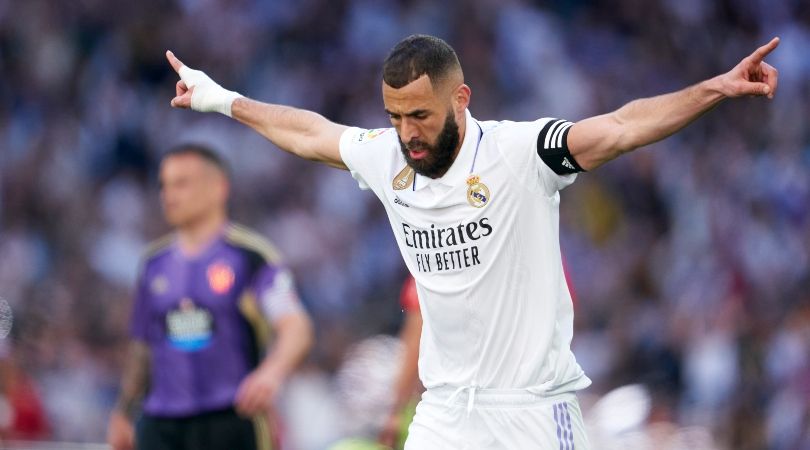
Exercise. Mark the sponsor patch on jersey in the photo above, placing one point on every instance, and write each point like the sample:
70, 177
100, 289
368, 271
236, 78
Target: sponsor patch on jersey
188, 327
370, 135
478, 194
404, 179
220, 277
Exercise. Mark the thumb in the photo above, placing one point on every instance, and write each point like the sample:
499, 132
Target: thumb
754, 88
761, 89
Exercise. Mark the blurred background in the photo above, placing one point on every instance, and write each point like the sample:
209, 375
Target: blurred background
689, 258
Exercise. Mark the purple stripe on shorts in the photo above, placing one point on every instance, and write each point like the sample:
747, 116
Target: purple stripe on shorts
557, 415
570, 431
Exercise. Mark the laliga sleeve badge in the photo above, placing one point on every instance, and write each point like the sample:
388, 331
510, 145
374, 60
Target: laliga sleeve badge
404, 179
477, 192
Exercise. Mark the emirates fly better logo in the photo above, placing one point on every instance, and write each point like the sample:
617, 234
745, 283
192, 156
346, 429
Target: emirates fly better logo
447, 249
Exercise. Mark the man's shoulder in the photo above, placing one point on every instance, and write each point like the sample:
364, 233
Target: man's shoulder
373, 137
157, 248
506, 128
252, 243
508, 134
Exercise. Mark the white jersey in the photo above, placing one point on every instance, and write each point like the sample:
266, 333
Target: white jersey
483, 244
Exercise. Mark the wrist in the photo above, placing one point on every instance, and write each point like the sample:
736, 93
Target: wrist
214, 99
273, 371
226, 105
126, 410
718, 87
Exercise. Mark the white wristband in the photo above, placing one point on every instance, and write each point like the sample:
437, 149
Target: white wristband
208, 96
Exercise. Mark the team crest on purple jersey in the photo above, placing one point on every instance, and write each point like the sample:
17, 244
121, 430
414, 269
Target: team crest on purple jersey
220, 277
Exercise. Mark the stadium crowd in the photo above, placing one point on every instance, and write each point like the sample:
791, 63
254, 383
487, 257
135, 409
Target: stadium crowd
689, 259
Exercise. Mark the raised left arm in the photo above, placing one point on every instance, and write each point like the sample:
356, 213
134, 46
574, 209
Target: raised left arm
597, 140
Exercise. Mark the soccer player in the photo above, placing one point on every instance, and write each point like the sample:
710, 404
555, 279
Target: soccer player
207, 298
474, 209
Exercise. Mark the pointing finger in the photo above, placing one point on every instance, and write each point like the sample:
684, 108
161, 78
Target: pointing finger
176, 63
760, 53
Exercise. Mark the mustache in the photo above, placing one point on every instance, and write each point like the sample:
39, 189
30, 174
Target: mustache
417, 144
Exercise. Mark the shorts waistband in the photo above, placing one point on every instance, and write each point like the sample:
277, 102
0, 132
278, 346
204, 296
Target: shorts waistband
469, 395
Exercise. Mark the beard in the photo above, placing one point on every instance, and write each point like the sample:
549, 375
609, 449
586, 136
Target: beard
439, 157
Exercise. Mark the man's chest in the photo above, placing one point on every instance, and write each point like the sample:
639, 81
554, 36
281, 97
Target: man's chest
447, 229
215, 285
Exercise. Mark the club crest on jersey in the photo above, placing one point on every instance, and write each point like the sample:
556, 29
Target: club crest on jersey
477, 192
220, 277
370, 135
404, 179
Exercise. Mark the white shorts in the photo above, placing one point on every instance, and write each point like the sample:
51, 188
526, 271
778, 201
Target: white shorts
496, 420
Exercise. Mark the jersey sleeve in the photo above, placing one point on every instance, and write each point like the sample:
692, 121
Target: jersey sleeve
408, 298
139, 318
537, 153
276, 293
365, 152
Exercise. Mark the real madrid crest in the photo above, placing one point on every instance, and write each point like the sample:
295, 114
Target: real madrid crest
404, 179
477, 192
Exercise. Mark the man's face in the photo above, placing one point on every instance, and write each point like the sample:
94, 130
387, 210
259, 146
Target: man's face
425, 120
191, 189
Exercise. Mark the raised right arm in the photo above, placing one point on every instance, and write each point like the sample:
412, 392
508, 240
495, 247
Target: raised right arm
303, 133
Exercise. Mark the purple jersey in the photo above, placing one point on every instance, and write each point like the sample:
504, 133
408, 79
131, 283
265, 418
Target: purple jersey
204, 319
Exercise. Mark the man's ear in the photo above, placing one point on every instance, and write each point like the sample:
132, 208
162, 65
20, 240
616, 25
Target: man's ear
461, 98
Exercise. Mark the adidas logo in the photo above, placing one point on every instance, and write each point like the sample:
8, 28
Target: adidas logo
568, 164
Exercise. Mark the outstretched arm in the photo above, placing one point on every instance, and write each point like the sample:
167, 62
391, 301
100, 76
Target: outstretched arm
599, 139
303, 133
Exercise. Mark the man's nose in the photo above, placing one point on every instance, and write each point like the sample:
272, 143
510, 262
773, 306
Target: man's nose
408, 130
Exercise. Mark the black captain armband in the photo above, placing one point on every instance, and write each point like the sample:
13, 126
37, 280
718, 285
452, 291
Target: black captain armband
552, 147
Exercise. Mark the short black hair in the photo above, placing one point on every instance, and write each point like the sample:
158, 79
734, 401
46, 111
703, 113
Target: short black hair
418, 55
206, 153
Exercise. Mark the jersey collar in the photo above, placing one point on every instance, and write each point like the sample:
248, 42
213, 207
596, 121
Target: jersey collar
460, 169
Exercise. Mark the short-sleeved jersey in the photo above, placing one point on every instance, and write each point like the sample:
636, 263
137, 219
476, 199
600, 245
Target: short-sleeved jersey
206, 318
482, 242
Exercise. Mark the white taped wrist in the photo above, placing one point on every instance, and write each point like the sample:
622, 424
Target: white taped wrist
208, 96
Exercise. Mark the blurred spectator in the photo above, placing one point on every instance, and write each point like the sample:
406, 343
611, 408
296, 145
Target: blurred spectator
22, 415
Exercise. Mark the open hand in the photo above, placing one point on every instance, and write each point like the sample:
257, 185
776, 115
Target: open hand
120, 432
257, 392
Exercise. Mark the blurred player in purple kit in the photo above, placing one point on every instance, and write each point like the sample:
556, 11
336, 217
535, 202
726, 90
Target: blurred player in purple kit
207, 300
